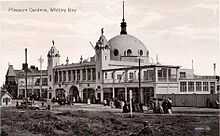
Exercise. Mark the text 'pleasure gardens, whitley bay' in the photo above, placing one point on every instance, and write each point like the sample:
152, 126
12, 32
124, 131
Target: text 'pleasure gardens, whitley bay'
43, 10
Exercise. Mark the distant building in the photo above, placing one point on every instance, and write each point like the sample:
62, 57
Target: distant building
15, 82
191, 83
6, 98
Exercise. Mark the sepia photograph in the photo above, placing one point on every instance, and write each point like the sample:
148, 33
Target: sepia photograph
109, 68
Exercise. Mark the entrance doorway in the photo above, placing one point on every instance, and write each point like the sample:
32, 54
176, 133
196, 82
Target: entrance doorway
89, 93
74, 94
60, 93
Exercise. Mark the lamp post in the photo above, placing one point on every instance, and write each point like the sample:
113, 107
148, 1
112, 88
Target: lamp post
41, 61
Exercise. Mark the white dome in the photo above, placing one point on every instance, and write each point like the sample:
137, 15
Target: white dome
126, 45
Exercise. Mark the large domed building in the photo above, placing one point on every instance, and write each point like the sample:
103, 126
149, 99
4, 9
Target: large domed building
120, 65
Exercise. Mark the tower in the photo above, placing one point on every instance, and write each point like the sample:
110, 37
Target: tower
53, 58
102, 57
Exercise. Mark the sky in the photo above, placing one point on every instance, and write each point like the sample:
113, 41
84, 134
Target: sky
178, 31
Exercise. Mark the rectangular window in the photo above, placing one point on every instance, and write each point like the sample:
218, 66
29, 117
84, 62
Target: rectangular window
78, 74
84, 74
159, 72
131, 75
93, 74
44, 82
106, 75
56, 76
74, 76
60, 76
151, 74
145, 75
98, 75
164, 72
182, 74
119, 76
89, 74
212, 87
64, 75
198, 86
69, 75
205, 86
190, 86
183, 87
37, 82
50, 77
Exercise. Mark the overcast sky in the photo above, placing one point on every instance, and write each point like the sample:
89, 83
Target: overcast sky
177, 30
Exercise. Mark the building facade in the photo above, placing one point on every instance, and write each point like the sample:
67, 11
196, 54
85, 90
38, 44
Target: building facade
119, 65
34, 87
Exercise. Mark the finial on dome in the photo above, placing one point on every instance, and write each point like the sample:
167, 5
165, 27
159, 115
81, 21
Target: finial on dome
123, 19
102, 31
123, 23
53, 42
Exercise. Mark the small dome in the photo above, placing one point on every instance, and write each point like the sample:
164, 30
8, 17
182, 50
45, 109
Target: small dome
126, 45
102, 41
53, 52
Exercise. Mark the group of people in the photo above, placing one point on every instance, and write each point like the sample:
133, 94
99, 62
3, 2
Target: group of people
158, 106
164, 106
167, 106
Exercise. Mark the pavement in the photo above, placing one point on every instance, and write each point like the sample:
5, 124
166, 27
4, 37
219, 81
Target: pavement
100, 107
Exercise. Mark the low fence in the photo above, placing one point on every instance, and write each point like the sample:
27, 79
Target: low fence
192, 100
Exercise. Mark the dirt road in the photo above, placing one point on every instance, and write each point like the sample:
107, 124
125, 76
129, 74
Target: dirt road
81, 122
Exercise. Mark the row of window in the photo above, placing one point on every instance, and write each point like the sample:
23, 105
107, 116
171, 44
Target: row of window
44, 82
73, 75
148, 75
128, 52
196, 86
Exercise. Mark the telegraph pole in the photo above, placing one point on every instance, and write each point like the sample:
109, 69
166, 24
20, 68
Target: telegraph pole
41, 60
26, 69
139, 78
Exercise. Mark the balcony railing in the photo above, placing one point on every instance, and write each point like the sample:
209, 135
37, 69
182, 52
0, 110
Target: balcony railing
164, 79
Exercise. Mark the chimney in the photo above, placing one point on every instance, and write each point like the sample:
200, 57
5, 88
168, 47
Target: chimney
214, 69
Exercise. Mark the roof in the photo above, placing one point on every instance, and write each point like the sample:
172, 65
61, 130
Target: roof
125, 42
21, 73
145, 66
84, 64
11, 71
206, 77
5, 92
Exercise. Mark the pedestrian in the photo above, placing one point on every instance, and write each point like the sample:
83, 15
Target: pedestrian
169, 105
122, 104
105, 102
165, 106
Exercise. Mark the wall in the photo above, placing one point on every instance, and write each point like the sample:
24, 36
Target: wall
192, 100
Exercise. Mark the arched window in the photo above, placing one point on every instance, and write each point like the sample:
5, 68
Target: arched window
141, 53
129, 52
116, 52
124, 53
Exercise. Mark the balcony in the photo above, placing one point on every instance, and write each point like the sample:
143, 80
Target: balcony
164, 79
